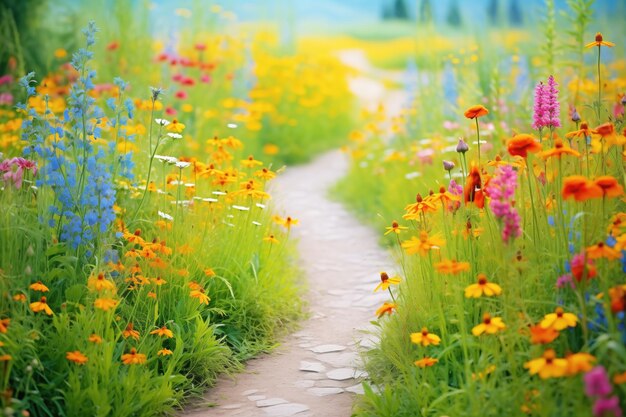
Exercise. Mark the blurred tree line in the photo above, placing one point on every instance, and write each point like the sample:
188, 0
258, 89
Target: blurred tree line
497, 12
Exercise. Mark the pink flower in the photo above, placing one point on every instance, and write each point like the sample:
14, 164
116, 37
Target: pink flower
205, 78
565, 280
604, 407
181, 94
6, 79
13, 170
501, 189
170, 111
546, 109
6, 99
597, 383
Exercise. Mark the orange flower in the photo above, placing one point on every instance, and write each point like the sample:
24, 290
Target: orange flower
5, 358
579, 362
490, 325
601, 250
583, 132
76, 357
446, 198
559, 150
105, 304
38, 286
41, 305
385, 282
580, 188
599, 42
200, 295
451, 266
483, 286
164, 332
476, 111
19, 297
605, 130
609, 185
395, 228
547, 366
133, 358
559, 320
423, 244
251, 162
426, 362
94, 338
286, 222
209, 272
420, 206
618, 298
541, 336
425, 338
522, 144
386, 308
4, 325
472, 192
130, 332
164, 352
619, 379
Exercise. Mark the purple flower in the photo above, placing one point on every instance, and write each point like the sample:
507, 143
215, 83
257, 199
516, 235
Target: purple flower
597, 383
501, 189
454, 188
604, 407
539, 113
552, 105
564, 280
462, 147
448, 165
546, 109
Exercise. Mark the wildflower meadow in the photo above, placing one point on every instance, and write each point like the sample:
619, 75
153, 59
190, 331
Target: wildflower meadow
333, 208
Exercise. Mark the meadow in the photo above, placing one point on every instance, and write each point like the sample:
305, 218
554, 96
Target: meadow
142, 256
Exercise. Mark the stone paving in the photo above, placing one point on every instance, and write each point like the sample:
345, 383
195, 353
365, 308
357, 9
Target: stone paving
317, 370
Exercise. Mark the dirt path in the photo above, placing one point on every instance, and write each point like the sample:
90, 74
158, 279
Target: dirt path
316, 371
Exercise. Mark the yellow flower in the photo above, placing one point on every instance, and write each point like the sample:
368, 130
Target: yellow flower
425, 338
133, 358
270, 239
395, 228
164, 332
164, 352
175, 126
100, 283
76, 357
425, 362
60, 53
547, 366
490, 325
385, 282
599, 41
38, 286
250, 162
482, 287
423, 244
158, 281
41, 305
286, 222
105, 304
559, 320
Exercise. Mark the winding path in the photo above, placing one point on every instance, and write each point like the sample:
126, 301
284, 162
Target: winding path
316, 371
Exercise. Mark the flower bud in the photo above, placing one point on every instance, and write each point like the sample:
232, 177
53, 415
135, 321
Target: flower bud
575, 116
462, 147
30, 251
448, 165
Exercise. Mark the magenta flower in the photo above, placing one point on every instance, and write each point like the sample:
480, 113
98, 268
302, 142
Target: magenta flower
597, 383
604, 407
547, 109
501, 189
565, 280
12, 170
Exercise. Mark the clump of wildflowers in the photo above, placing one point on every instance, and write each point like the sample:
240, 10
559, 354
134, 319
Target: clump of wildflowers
502, 191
